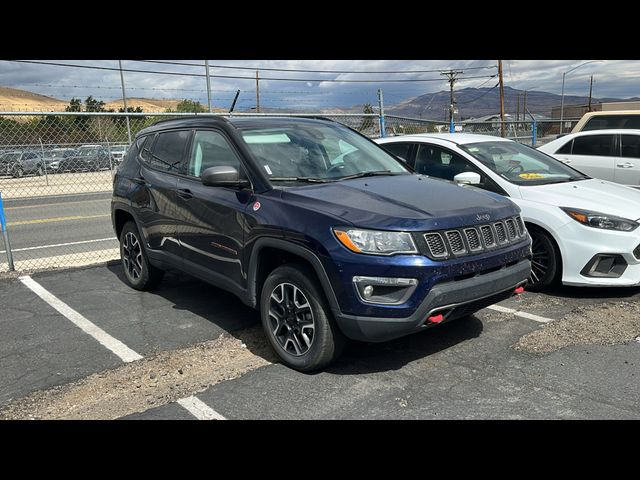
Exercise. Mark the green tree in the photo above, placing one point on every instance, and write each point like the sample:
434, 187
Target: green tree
93, 105
75, 105
190, 106
367, 122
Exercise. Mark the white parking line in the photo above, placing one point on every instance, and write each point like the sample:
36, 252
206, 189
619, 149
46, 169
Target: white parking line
193, 405
39, 247
199, 409
518, 313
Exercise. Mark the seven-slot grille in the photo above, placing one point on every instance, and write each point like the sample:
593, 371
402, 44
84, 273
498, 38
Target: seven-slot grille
471, 240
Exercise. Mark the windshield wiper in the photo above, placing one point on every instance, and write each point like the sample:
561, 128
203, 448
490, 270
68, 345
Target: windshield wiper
299, 179
368, 174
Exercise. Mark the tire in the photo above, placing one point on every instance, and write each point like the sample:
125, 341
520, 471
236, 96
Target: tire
140, 274
40, 171
318, 341
17, 172
545, 263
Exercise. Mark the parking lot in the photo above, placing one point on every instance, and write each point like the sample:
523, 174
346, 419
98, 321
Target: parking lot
82, 344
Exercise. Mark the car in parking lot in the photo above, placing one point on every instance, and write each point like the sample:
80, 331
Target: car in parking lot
90, 158
118, 152
53, 157
315, 226
612, 155
584, 230
19, 163
620, 119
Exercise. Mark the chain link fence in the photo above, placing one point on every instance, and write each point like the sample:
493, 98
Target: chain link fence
56, 175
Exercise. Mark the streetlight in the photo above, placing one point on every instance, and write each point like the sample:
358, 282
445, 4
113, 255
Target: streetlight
562, 98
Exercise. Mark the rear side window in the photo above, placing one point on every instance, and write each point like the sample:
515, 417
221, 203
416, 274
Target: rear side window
631, 146
566, 148
168, 150
607, 122
600, 145
398, 149
145, 144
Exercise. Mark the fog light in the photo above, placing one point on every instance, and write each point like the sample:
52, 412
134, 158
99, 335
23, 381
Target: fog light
636, 252
605, 265
384, 290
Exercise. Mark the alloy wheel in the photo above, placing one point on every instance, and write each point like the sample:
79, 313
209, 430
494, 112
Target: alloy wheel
132, 256
291, 319
539, 260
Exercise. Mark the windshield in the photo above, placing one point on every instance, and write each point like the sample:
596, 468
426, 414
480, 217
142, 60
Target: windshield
87, 150
60, 153
10, 156
520, 164
318, 152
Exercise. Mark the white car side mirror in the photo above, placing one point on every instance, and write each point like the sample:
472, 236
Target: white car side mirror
467, 178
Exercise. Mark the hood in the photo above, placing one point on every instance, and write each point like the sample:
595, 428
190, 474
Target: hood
593, 194
403, 202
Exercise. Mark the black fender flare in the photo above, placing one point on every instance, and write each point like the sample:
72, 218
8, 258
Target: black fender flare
295, 249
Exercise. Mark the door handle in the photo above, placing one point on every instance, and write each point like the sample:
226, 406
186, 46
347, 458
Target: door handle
625, 165
185, 193
140, 181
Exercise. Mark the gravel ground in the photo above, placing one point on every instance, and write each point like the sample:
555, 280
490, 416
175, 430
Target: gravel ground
149, 382
604, 324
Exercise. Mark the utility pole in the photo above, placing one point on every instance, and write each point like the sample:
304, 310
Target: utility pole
124, 101
257, 92
206, 64
451, 78
501, 98
590, 91
524, 107
518, 109
381, 115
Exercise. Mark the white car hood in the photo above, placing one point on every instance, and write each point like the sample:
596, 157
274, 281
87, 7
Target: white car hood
593, 194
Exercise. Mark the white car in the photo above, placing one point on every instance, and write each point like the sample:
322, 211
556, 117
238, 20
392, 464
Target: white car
612, 155
584, 231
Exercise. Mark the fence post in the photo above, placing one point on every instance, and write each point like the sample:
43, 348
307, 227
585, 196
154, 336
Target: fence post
381, 119
452, 127
5, 235
534, 133
44, 162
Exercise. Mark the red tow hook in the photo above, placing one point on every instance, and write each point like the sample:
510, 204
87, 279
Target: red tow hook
435, 318
518, 291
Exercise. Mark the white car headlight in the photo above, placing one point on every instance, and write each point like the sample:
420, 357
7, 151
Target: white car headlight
375, 242
600, 220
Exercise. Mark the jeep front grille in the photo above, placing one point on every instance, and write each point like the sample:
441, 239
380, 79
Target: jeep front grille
474, 240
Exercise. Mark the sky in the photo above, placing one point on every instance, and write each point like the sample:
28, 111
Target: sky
310, 90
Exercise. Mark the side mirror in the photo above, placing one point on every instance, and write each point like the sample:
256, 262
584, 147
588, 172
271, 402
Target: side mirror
223, 177
467, 178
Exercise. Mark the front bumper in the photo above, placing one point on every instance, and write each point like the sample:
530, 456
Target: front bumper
579, 244
453, 299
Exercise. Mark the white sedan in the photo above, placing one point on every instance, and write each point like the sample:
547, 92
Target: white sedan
606, 154
584, 231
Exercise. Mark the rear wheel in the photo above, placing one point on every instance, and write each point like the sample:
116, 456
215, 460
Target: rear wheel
40, 171
140, 274
297, 319
545, 261
17, 171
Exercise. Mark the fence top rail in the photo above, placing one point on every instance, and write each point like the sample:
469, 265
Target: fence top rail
183, 114
414, 119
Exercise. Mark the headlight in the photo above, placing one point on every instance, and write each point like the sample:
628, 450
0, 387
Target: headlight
601, 220
375, 242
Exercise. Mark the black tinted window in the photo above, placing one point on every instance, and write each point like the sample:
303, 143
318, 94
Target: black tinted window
436, 162
631, 146
605, 122
593, 145
398, 149
566, 148
168, 150
145, 143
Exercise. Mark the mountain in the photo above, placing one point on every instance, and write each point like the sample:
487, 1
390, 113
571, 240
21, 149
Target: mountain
15, 100
477, 102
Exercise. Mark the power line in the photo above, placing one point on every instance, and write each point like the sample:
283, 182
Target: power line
304, 70
182, 74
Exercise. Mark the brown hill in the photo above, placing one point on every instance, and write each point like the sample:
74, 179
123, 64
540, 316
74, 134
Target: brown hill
15, 100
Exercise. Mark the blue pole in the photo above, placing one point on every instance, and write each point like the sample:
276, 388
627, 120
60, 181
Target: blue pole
3, 227
451, 126
534, 133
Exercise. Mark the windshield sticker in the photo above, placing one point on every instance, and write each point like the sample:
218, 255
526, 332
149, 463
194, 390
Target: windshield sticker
266, 167
531, 176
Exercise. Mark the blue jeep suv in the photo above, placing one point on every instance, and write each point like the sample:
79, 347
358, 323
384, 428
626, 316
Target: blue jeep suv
316, 226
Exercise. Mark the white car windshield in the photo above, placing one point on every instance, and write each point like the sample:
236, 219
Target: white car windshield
318, 153
520, 164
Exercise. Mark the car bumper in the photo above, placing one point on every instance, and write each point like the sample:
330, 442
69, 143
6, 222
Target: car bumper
580, 244
452, 299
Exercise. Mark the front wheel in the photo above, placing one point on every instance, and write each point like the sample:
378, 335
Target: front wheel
545, 261
298, 321
18, 171
140, 274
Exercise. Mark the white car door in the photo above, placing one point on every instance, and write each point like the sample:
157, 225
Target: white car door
593, 155
627, 170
